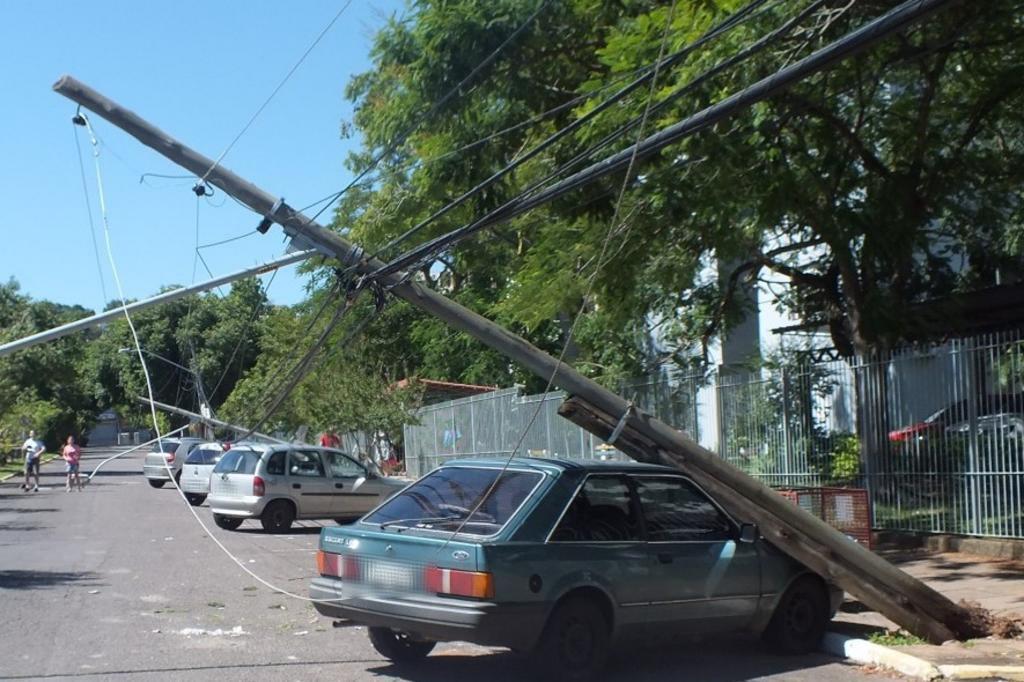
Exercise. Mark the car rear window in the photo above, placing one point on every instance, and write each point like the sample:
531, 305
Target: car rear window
165, 445
237, 461
446, 498
203, 456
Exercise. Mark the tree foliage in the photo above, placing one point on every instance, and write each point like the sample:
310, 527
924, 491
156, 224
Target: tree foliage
892, 178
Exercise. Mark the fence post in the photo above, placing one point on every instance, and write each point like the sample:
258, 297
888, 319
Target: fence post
787, 436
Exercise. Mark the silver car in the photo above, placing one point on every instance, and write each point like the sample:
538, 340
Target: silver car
281, 483
195, 474
167, 453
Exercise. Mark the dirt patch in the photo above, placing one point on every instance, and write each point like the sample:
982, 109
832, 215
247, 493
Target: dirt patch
983, 623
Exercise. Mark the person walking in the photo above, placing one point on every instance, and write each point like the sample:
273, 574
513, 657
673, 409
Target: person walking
72, 454
33, 449
329, 439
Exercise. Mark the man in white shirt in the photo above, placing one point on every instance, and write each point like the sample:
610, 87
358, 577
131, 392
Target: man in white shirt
33, 449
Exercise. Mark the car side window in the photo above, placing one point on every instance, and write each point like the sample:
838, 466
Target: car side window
305, 463
602, 511
275, 465
675, 510
343, 467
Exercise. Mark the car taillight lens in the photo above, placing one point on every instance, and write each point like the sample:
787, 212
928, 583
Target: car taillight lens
169, 457
258, 486
459, 583
337, 565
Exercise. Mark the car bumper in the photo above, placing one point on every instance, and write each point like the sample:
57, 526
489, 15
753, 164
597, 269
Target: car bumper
157, 473
517, 626
245, 507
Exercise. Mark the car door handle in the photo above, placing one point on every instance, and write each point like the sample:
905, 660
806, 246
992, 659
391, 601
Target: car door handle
665, 558
297, 486
339, 486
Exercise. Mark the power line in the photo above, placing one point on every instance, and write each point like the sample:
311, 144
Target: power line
88, 212
766, 87
280, 85
457, 89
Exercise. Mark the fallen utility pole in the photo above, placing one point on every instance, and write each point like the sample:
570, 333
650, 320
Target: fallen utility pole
195, 416
904, 599
166, 297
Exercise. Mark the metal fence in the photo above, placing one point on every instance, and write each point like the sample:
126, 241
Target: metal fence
935, 434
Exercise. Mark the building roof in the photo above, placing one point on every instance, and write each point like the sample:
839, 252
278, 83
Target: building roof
436, 391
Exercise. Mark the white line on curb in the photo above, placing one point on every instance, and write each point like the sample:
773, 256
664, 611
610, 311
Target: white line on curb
866, 653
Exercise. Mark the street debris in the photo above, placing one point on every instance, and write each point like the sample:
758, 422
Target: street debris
236, 631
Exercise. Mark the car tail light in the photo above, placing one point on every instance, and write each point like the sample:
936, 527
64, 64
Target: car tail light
259, 488
338, 565
169, 457
459, 583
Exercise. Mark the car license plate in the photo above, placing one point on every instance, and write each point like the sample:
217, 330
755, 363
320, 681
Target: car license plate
390, 576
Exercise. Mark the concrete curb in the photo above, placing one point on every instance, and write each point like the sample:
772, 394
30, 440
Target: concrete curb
868, 653
982, 672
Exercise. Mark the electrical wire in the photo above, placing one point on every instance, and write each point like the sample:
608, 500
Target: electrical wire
457, 89
149, 388
535, 195
276, 90
612, 226
88, 212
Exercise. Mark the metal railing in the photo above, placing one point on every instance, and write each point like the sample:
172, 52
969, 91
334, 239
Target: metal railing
935, 434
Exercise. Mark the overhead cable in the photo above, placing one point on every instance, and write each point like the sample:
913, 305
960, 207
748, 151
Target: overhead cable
852, 43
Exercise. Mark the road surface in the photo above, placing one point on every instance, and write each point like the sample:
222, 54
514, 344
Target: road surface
122, 582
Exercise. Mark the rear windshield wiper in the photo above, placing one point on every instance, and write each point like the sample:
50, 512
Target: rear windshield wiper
418, 521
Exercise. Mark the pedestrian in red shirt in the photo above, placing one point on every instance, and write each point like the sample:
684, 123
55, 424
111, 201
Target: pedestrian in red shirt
72, 454
329, 439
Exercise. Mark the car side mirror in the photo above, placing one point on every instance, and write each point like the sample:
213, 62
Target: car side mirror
748, 533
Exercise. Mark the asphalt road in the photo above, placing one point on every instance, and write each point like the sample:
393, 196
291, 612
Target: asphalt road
121, 582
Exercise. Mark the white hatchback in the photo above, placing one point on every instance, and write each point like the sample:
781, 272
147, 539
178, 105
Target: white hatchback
195, 473
281, 483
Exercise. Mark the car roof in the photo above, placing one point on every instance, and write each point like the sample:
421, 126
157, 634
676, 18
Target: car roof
552, 465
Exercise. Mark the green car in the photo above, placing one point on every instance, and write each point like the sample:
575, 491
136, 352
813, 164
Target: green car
561, 559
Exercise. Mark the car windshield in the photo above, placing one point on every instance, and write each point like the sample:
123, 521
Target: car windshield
446, 498
203, 456
236, 461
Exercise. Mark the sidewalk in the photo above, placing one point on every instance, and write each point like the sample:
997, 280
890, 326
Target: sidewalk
996, 585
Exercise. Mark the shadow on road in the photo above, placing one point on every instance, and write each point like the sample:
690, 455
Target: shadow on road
25, 510
21, 526
38, 580
706, 661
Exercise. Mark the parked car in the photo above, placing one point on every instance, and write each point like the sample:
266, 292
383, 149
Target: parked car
195, 474
954, 417
280, 483
561, 559
167, 453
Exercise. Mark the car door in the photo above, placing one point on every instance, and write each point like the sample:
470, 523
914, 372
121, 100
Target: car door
355, 492
702, 578
309, 485
598, 540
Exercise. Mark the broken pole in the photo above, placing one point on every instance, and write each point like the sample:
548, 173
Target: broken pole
904, 599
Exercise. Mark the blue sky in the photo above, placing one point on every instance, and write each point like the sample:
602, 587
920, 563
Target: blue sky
198, 70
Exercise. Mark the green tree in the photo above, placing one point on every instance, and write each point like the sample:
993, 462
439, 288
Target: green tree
890, 179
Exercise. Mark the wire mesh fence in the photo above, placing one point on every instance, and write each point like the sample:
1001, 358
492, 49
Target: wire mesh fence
935, 434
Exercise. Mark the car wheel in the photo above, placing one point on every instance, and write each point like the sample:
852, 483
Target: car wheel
156, 484
195, 499
800, 618
227, 522
278, 516
399, 647
574, 645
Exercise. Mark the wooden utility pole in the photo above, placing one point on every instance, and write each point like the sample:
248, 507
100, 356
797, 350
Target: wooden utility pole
902, 598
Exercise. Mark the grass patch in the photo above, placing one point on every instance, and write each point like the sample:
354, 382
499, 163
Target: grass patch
895, 638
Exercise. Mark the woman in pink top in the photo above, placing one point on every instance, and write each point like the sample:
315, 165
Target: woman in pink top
71, 454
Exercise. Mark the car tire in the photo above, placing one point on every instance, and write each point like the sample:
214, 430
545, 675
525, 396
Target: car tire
195, 499
575, 642
278, 516
800, 618
227, 522
399, 647
156, 484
